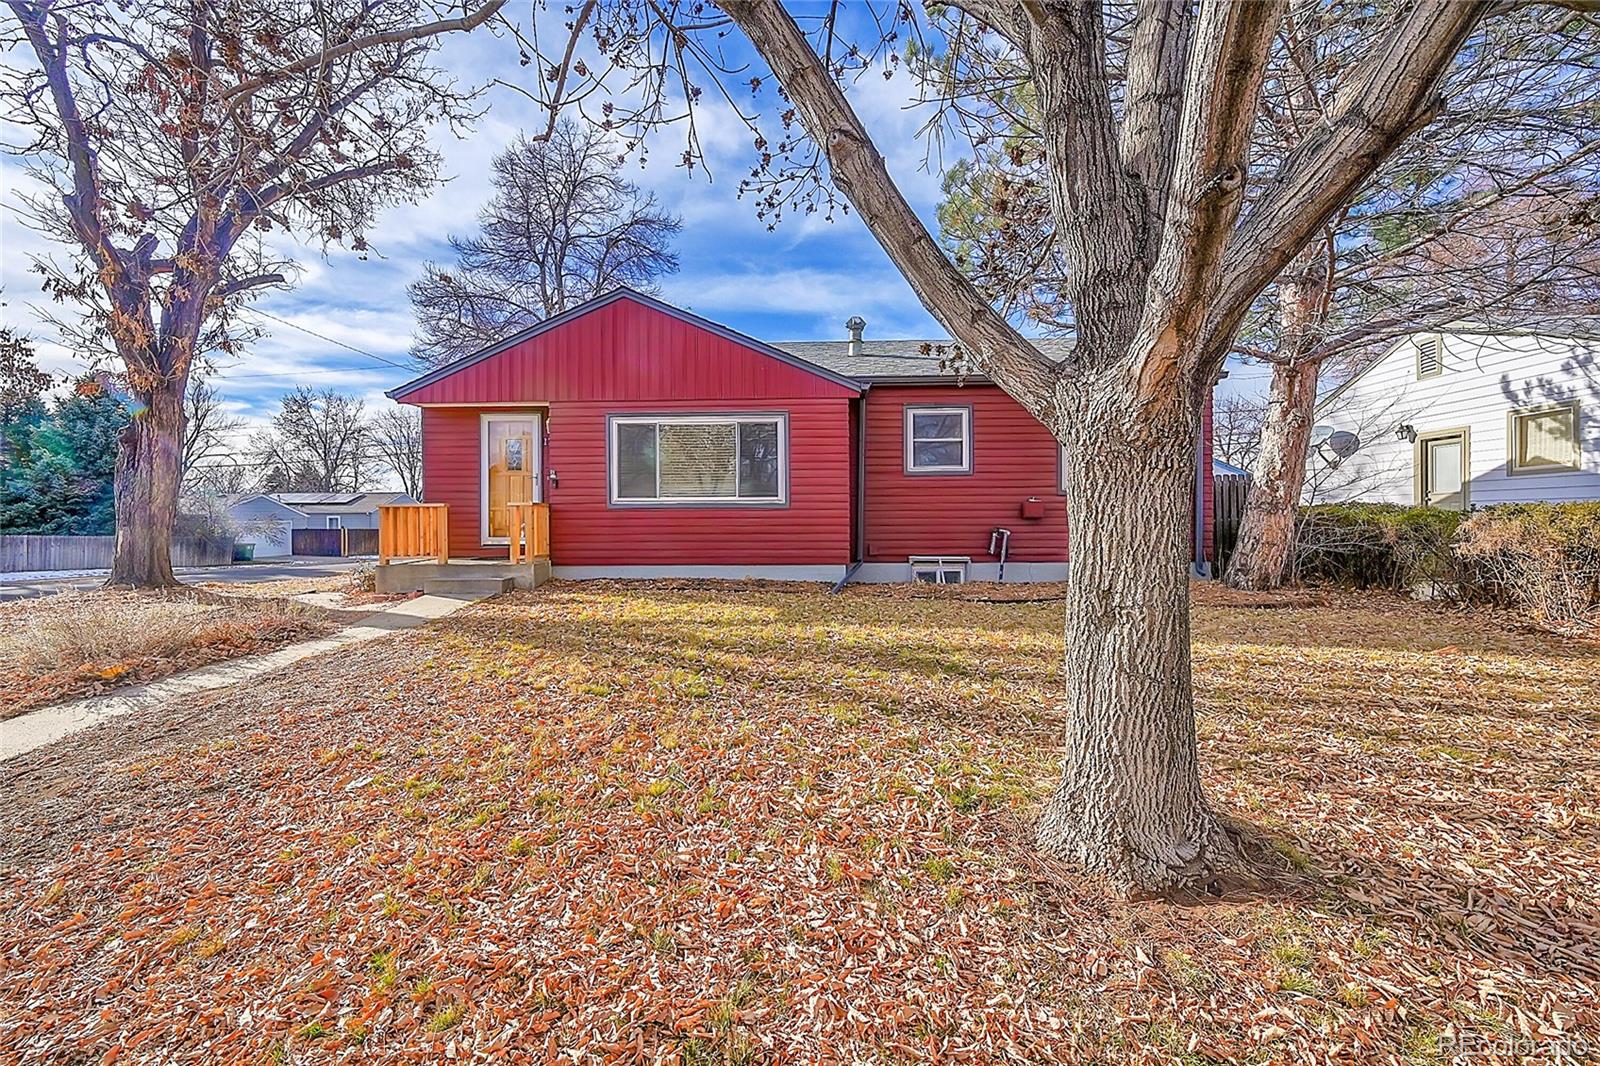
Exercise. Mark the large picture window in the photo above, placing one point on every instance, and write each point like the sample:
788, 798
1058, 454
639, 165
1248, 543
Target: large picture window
690, 459
938, 440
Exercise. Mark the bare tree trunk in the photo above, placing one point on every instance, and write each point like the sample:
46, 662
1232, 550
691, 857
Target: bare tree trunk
149, 472
1266, 533
1130, 805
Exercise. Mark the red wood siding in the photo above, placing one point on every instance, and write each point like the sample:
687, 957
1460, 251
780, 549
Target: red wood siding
628, 358
585, 530
626, 351
1013, 457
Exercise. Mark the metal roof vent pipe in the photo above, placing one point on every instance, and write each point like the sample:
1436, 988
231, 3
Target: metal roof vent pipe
855, 324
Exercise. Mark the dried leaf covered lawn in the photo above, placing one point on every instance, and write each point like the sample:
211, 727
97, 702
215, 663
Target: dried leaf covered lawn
75, 644
699, 825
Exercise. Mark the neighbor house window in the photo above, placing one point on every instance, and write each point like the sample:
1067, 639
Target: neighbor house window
938, 440
1544, 439
689, 459
333, 521
1430, 356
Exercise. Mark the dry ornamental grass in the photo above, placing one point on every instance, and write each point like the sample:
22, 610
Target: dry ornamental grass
80, 643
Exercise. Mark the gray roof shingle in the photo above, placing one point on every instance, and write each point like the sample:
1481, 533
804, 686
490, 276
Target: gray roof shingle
896, 358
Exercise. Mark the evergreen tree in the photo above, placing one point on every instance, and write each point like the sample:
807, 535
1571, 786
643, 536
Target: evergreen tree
61, 459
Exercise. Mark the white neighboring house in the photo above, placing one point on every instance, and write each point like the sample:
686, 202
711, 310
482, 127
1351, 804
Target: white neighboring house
267, 518
1468, 419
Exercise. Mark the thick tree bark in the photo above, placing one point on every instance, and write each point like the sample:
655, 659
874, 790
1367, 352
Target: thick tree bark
1130, 806
149, 473
1266, 534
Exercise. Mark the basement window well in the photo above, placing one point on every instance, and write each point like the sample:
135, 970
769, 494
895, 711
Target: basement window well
936, 570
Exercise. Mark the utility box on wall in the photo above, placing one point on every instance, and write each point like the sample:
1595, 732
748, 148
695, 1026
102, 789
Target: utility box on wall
1033, 508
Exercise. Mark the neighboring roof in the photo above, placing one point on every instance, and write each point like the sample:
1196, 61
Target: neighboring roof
328, 502
621, 293
340, 502
295, 499
1218, 467
894, 359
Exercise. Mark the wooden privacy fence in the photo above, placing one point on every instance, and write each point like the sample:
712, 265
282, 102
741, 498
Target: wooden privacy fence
530, 531
333, 542
413, 531
361, 542
26, 551
1227, 512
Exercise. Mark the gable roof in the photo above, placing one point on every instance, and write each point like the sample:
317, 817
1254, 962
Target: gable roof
603, 300
1576, 328
884, 360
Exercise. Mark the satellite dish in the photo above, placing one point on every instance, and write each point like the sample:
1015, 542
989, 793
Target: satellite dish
1320, 435
1341, 443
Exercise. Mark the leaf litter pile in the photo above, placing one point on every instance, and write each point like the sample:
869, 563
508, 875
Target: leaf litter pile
679, 823
77, 644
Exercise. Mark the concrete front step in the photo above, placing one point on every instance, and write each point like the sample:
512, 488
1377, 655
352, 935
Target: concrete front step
467, 587
415, 575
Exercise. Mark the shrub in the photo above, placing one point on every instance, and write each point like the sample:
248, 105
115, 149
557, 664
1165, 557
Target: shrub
1544, 557
364, 578
1541, 556
1380, 545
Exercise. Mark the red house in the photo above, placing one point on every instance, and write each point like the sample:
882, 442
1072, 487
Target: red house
666, 445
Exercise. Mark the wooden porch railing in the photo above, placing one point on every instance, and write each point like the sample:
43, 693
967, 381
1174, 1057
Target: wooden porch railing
530, 531
413, 531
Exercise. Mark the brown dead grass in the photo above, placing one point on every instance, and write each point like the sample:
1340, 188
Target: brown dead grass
82, 643
713, 824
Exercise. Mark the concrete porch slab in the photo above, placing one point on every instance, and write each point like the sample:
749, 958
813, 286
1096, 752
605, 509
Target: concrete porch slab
414, 575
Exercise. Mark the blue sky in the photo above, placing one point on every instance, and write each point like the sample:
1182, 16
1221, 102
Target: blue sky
800, 282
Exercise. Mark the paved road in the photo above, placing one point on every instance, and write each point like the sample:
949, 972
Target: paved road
240, 573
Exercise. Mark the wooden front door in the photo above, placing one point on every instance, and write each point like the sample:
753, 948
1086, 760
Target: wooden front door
510, 469
1442, 471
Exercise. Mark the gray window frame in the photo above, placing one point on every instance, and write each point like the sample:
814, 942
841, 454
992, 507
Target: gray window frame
613, 471
908, 451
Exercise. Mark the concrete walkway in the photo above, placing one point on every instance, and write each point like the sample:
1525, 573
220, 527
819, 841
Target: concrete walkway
48, 724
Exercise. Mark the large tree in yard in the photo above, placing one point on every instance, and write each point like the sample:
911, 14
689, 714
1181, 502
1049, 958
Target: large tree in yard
562, 227
1489, 221
169, 138
1146, 114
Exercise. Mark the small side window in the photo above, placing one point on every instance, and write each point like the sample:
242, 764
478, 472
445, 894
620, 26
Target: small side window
938, 440
1430, 356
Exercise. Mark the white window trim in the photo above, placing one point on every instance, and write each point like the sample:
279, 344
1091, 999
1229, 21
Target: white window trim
1515, 469
613, 469
536, 460
331, 521
911, 412
941, 564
